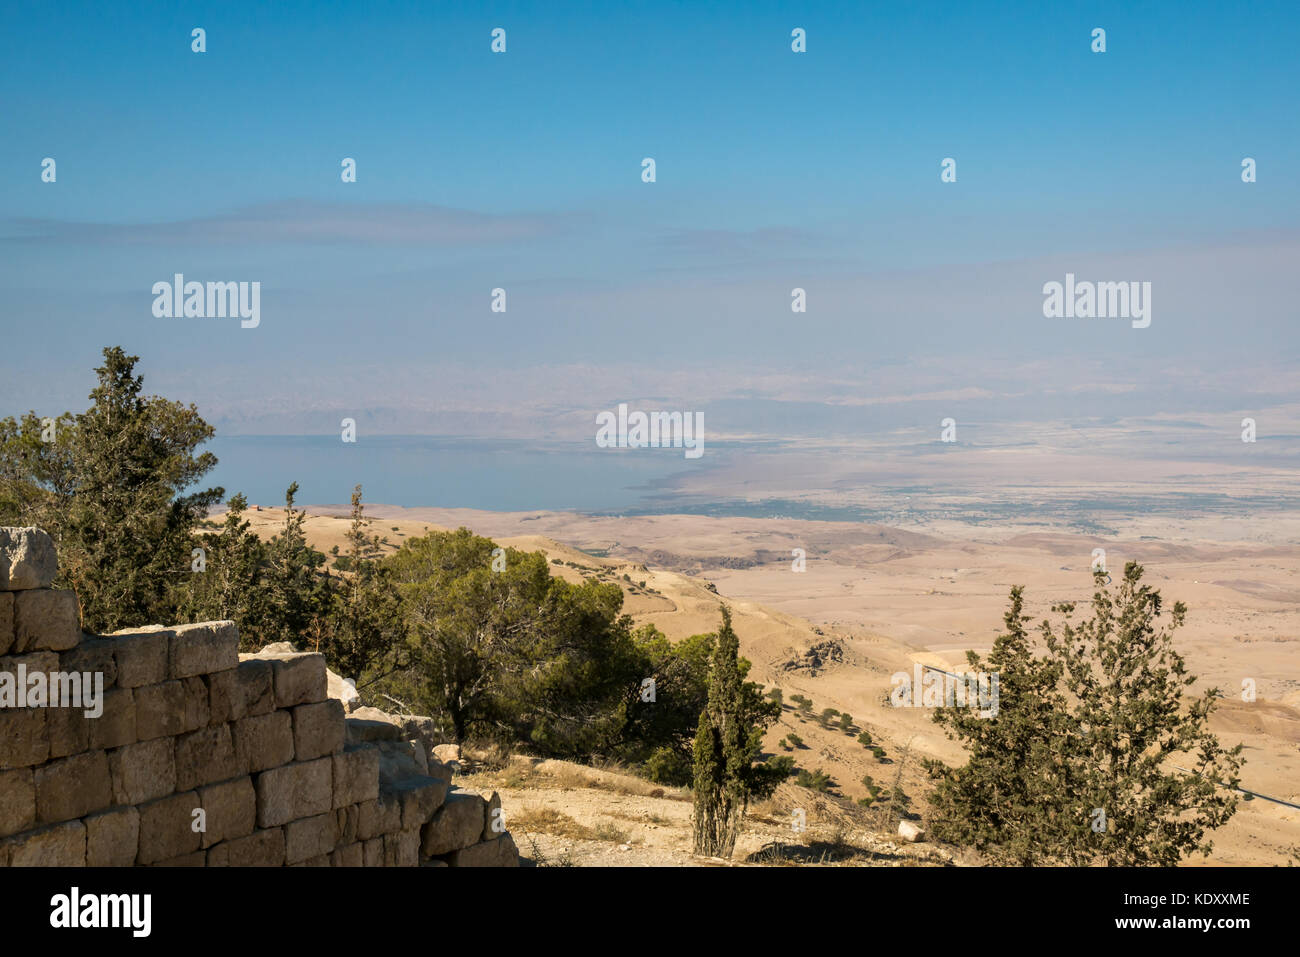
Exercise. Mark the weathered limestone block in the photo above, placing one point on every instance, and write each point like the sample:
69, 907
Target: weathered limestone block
167, 828
379, 817
420, 798
441, 771
94, 656
195, 697
310, 837
72, 787
299, 679
159, 710
263, 848
113, 837
255, 681
17, 801
375, 715
205, 756
33, 661
240, 691
141, 656
62, 845
366, 730
224, 700
230, 808
494, 824
317, 729
23, 741
342, 690
294, 791
68, 729
143, 772
356, 776
349, 855
46, 620
458, 824
6, 622
194, 859
264, 741
399, 760
372, 853
424, 729
115, 728
201, 649
171, 708
27, 559
402, 849
447, 753
348, 819
321, 860
499, 852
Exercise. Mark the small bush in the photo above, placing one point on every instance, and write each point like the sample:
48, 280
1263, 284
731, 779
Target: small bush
783, 763
817, 780
607, 831
668, 766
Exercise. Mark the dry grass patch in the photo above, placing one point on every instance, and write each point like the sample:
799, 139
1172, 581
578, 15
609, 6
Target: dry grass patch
548, 820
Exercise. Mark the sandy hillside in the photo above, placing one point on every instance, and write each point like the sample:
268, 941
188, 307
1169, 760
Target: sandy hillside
874, 600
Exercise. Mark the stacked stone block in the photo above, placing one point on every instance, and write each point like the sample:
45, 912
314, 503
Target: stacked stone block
279, 773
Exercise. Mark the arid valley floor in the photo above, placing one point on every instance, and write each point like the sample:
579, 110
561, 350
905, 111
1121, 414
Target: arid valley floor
875, 599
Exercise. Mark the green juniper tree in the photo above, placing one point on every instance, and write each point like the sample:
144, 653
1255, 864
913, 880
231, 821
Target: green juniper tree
1077, 765
297, 588
1131, 723
109, 486
229, 583
366, 623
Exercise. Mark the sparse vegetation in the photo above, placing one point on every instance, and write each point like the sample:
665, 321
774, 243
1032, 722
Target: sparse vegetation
817, 780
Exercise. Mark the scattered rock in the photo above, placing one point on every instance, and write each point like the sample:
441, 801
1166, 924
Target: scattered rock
910, 832
27, 559
816, 658
341, 688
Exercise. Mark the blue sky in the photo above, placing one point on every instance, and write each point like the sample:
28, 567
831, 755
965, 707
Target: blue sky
522, 170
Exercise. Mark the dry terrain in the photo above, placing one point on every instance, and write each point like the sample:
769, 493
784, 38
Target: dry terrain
874, 600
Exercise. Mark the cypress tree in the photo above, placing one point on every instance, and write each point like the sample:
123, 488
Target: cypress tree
728, 740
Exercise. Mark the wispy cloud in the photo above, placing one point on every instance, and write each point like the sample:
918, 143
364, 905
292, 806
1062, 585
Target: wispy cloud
302, 221
764, 240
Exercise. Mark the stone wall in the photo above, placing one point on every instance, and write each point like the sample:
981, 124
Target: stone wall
280, 774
